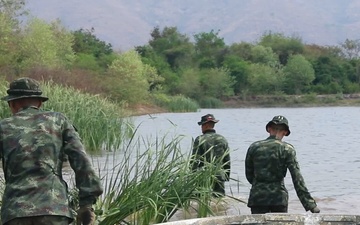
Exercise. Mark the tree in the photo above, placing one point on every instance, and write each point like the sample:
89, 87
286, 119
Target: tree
129, 79
351, 49
208, 49
175, 47
45, 45
299, 74
12, 8
283, 46
239, 70
264, 55
216, 83
264, 79
85, 41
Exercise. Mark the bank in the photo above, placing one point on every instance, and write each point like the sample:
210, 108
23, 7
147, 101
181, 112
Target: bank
263, 101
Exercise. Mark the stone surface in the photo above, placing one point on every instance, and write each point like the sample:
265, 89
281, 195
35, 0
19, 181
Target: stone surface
274, 219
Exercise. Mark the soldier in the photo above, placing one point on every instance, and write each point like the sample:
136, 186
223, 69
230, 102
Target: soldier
212, 147
33, 146
266, 165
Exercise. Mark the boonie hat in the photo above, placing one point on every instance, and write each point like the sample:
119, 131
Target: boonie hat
24, 88
279, 120
207, 118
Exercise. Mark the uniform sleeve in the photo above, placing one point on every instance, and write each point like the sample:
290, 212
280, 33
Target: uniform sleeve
249, 165
226, 161
302, 192
86, 180
196, 155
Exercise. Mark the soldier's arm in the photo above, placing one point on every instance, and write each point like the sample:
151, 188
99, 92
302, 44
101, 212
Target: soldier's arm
299, 184
226, 161
86, 180
196, 154
249, 166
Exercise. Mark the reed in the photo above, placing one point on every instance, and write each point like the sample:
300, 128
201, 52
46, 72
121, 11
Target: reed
178, 103
150, 181
99, 121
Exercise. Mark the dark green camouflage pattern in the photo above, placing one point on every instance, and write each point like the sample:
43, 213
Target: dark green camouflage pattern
212, 147
266, 166
33, 146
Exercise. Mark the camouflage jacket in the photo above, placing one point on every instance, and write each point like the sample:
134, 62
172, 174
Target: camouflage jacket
266, 165
33, 145
211, 147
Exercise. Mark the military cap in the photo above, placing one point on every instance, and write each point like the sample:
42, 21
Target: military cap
24, 88
279, 120
207, 118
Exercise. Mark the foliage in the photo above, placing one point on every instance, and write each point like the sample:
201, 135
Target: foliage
129, 79
239, 70
100, 129
283, 46
210, 103
46, 45
176, 48
152, 182
264, 79
85, 41
216, 83
208, 48
177, 103
299, 74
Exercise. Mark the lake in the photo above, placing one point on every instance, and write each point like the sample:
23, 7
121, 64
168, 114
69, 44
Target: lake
325, 138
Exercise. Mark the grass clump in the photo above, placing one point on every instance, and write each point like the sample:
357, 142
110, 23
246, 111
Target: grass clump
98, 120
151, 181
178, 103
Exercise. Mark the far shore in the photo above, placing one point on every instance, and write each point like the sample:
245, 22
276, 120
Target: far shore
266, 102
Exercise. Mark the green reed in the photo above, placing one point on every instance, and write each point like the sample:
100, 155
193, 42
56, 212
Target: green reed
177, 103
151, 180
98, 120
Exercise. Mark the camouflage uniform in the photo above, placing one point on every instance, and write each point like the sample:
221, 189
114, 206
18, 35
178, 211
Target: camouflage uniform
266, 165
212, 147
33, 147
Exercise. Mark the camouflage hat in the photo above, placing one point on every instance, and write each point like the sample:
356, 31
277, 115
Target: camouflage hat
24, 88
279, 120
207, 118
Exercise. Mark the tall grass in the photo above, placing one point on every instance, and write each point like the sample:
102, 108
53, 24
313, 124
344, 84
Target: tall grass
178, 103
98, 120
150, 181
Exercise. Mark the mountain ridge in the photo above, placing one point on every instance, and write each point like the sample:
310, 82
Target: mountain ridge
126, 24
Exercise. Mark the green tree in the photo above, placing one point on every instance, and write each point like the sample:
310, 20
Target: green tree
264, 55
216, 83
86, 42
189, 83
351, 49
299, 74
239, 70
283, 46
264, 79
208, 49
155, 60
175, 47
45, 45
242, 50
129, 79
13, 8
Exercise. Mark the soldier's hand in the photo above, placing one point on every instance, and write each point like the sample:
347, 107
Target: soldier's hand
315, 210
85, 215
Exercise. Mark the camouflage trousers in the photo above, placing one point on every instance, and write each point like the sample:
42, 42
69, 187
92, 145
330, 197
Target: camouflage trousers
39, 220
269, 209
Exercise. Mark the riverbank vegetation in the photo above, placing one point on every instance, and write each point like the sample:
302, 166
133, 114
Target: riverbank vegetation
173, 70
95, 85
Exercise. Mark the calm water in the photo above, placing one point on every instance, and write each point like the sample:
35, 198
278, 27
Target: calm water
326, 141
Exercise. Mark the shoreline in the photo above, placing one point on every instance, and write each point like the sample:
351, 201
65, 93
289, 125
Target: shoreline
296, 101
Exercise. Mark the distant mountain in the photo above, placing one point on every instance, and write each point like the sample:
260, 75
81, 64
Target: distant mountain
128, 23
